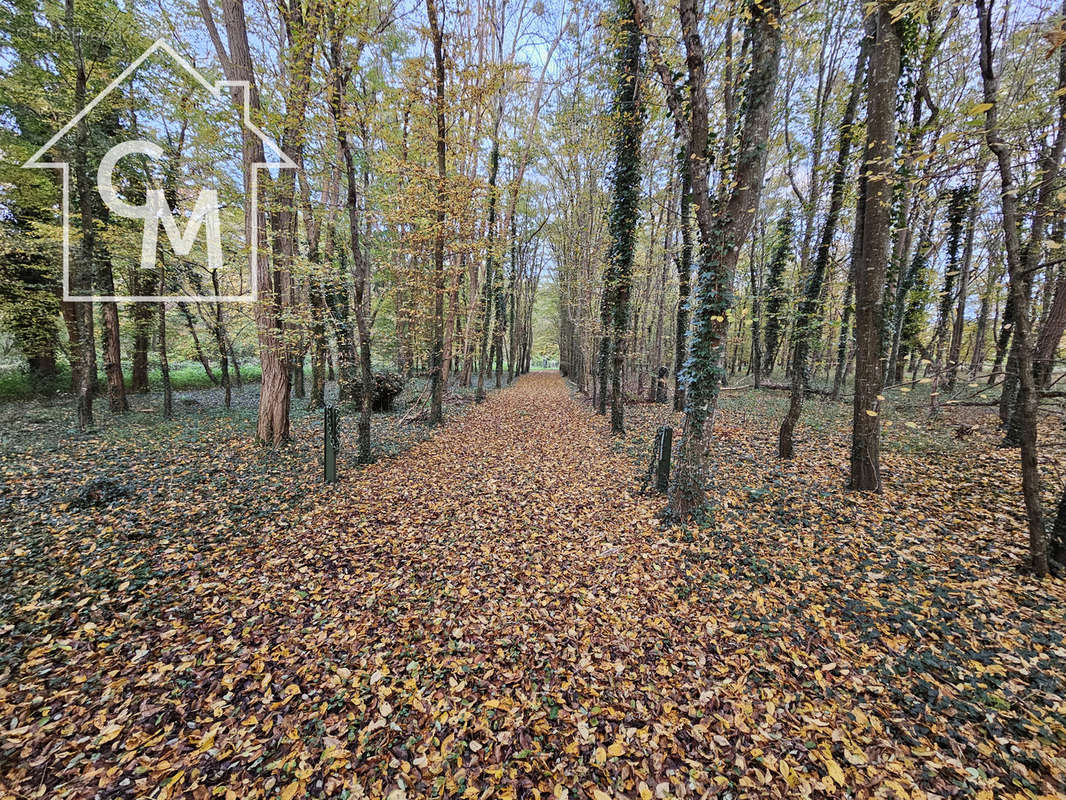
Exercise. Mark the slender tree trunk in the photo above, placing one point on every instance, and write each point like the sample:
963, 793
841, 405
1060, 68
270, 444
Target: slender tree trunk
723, 230
1020, 262
955, 349
82, 278
618, 277
1047, 343
877, 231
360, 266
684, 276
190, 324
487, 296
755, 274
220, 342
436, 413
164, 361
977, 357
843, 345
813, 291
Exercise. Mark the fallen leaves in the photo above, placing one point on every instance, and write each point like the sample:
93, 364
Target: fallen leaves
498, 613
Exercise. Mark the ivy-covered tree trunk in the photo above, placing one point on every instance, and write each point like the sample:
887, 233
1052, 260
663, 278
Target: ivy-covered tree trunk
955, 348
755, 279
909, 289
436, 412
722, 231
813, 290
84, 347
956, 222
360, 267
625, 207
775, 289
684, 276
877, 230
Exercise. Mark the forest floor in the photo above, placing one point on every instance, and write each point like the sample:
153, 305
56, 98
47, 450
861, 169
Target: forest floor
498, 612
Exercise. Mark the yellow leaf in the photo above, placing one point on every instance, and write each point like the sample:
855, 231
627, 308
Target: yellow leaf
109, 733
835, 772
616, 749
871, 413
290, 791
980, 108
598, 794
644, 791
600, 756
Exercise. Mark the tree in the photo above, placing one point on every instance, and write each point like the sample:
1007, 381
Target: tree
873, 257
625, 180
1021, 263
776, 294
437, 357
340, 71
723, 227
235, 57
813, 289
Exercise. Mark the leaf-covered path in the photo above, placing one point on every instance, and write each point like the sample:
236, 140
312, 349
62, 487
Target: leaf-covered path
497, 613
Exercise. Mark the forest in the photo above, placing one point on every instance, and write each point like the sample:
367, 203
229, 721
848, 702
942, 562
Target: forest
532, 399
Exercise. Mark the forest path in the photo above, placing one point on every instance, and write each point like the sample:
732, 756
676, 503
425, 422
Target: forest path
508, 587
522, 491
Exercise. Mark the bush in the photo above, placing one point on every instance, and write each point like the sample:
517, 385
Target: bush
387, 385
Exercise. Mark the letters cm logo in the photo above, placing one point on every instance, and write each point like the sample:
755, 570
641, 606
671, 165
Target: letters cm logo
156, 210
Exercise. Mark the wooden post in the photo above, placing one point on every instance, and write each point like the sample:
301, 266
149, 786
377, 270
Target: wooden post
331, 442
663, 446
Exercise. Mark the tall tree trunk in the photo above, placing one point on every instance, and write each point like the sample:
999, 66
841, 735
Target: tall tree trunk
625, 200
1020, 264
105, 281
487, 296
273, 424
877, 231
82, 279
813, 290
843, 344
755, 276
684, 276
219, 331
955, 349
164, 361
436, 413
360, 266
723, 230
142, 324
